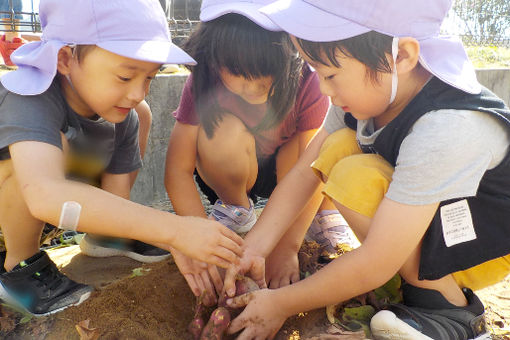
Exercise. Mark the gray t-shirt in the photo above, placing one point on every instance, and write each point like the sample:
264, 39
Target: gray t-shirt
42, 117
444, 155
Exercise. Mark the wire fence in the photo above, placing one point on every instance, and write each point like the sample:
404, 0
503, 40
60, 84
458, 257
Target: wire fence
477, 22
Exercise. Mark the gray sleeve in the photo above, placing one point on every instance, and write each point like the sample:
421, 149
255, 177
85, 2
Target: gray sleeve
126, 155
30, 118
334, 119
445, 156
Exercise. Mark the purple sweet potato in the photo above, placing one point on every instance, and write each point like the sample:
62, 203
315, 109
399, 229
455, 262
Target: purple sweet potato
217, 325
244, 285
196, 325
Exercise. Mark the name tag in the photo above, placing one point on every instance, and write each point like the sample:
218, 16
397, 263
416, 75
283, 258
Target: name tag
457, 223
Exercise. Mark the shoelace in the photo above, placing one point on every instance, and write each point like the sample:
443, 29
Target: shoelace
49, 276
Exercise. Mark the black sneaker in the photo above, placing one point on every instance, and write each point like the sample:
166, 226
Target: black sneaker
38, 287
100, 246
428, 315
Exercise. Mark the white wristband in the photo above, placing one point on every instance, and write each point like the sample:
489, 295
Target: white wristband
70, 215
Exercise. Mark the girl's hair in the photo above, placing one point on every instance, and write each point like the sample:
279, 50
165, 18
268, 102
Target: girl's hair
236, 44
370, 49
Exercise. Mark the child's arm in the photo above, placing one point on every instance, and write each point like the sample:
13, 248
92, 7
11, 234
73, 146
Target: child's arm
286, 202
179, 169
282, 267
394, 234
186, 201
38, 168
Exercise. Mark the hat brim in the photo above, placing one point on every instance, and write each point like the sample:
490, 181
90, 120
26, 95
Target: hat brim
247, 9
456, 69
310, 23
37, 66
160, 52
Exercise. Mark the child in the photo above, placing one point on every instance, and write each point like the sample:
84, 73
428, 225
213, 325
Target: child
247, 112
73, 93
11, 40
401, 155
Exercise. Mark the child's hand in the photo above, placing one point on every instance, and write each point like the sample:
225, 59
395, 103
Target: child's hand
282, 267
204, 280
208, 241
260, 319
252, 265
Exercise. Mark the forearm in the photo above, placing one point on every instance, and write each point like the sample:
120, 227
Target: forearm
184, 195
280, 211
130, 220
293, 238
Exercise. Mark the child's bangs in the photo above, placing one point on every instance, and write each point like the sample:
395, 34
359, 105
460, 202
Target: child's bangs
321, 52
245, 49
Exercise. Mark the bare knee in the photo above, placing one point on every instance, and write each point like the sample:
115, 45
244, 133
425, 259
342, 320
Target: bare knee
231, 144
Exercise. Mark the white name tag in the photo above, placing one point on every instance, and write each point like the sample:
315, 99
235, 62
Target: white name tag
457, 223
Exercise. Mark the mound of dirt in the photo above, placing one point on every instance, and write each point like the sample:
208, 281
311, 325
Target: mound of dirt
154, 302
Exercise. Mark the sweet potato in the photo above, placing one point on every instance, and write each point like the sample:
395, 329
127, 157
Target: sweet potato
245, 285
196, 325
217, 325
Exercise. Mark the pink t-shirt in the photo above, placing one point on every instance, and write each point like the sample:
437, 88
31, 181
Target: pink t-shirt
308, 112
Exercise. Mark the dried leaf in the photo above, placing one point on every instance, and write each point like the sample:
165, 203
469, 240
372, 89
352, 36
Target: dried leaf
85, 332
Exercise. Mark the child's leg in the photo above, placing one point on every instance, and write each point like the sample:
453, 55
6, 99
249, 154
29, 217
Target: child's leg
227, 162
21, 231
28, 278
357, 184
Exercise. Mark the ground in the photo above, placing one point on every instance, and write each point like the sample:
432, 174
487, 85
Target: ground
153, 302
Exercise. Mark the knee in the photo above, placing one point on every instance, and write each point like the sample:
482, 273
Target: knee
359, 182
337, 146
231, 138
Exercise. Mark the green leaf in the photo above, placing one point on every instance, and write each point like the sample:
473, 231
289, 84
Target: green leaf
361, 313
140, 271
390, 291
25, 319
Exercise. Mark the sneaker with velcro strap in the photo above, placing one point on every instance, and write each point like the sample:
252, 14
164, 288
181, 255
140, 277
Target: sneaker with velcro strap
330, 230
427, 315
102, 246
36, 286
237, 218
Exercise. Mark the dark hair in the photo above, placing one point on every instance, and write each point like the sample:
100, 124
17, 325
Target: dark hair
369, 48
243, 48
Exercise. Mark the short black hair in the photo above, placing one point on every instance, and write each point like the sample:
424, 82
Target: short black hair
370, 49
243, 48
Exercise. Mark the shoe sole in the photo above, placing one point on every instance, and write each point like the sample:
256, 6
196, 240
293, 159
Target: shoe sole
92, 250
10, 301
386, 326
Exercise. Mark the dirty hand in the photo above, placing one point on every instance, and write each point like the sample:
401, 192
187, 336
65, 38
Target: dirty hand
282, 267
260, 319
203, 279
252, 265
208, 241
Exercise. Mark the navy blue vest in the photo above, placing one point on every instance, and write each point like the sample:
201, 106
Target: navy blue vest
490, 208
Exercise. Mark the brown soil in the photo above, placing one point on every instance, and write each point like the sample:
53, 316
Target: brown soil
156, 303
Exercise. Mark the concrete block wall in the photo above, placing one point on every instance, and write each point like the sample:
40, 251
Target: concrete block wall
164, 98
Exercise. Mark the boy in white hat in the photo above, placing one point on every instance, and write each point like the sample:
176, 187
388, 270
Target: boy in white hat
74, 94
415, 156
